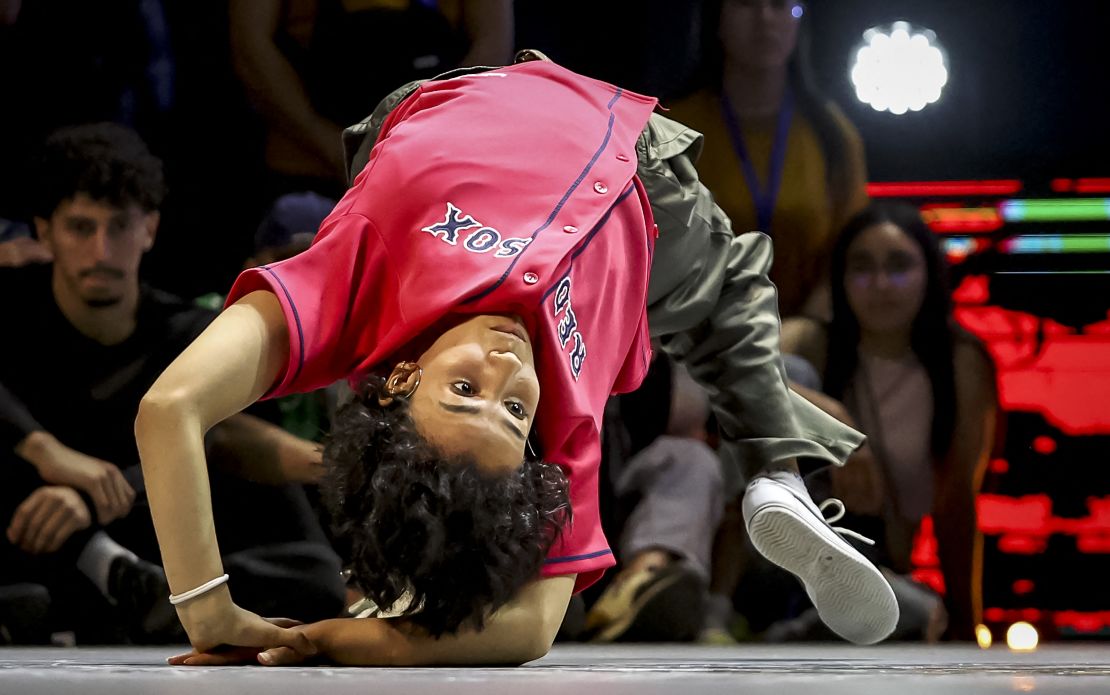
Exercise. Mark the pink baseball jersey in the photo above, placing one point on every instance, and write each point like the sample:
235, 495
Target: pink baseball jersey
512, 191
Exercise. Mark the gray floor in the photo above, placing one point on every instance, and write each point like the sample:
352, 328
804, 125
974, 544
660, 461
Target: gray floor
582, 670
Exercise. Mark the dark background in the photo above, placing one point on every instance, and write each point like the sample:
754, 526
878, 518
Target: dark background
1025, 97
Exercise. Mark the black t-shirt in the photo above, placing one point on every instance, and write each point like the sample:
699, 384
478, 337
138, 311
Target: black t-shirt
84, 393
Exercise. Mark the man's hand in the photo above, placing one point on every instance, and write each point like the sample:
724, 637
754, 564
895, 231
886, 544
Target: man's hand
46, 519
23, 251
859, 483
60, 465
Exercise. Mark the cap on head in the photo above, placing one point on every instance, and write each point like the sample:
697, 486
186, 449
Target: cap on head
293, 219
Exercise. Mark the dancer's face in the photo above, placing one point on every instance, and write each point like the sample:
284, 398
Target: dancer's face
478, 392
885, 279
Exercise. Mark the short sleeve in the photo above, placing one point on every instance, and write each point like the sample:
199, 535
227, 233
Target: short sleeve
334, 298
581, 547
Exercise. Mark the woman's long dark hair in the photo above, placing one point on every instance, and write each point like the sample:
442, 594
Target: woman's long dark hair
933, 335
818, 109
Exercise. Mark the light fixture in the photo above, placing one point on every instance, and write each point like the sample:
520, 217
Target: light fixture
1022, 637
983, 636
900, 69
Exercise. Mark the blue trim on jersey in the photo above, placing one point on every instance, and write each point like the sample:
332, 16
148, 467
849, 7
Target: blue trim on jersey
601, 223
588, 239
561, 203
575, 558
296, 317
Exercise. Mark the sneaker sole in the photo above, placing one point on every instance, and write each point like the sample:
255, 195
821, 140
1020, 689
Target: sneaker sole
852, 597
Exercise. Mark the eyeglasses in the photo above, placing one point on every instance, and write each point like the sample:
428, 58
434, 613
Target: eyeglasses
898, 274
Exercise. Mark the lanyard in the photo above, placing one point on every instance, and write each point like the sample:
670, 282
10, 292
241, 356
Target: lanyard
764, 198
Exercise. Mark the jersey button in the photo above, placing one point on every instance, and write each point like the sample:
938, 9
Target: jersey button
601, 188
622, 158
570, 229
531, 278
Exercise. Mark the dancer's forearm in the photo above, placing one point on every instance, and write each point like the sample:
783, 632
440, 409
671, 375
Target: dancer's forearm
228, 367
520, 631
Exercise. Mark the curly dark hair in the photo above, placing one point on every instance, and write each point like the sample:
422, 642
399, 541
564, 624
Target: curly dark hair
412, 519
106, 161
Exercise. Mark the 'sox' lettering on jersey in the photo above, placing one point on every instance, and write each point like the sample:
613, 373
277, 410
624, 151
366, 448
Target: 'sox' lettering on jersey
577, 355
568, 326
481, 240
447, 231
511, 247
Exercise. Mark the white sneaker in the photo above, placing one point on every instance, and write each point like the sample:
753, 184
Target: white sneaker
850, 594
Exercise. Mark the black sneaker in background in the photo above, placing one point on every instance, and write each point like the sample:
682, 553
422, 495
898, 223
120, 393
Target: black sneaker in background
141, 593
24, 614
656, 604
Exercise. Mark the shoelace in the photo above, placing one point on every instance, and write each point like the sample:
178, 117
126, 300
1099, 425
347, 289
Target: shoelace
837, 516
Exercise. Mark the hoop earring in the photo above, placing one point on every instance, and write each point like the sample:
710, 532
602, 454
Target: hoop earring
395, 384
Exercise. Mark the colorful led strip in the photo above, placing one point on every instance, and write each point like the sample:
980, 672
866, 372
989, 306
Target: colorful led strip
1067, 210
1057, 243
950, 220
929, 189
1082, 186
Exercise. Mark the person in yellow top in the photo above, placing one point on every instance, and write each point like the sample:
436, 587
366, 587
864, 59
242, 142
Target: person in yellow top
779, 157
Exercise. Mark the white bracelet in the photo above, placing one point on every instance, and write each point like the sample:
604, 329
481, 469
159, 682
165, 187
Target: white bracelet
193, 593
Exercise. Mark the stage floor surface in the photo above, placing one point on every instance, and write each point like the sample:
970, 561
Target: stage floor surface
589, 670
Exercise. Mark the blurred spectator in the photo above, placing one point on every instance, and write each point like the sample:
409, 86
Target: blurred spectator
312, 67
779, 157
674, 493
289, 228
656, 40
92, 340
895, 364
80, 62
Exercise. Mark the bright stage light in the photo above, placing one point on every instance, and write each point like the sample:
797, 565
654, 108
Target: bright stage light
1022, 637
899, 70
983, 636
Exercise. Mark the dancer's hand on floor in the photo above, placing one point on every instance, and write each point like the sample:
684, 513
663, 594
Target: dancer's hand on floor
286, 631
236, 636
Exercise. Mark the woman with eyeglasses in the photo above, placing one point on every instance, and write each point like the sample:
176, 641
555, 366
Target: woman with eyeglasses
779, 156
895, 364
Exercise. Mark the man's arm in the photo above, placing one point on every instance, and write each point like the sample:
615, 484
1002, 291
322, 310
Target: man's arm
57, 464
257, 450
272, 84
17, 423
228, 367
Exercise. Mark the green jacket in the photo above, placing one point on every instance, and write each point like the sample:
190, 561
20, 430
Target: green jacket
710, 303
